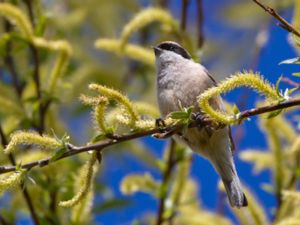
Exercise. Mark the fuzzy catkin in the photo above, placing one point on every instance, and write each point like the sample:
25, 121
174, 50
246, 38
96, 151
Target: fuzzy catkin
85, 181
248, 79
31, 138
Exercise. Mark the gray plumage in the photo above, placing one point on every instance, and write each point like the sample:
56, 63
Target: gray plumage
179, 81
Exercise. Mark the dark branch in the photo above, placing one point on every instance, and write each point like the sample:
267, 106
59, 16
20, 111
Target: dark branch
116, 139
10, 63
200, 23
290, 82
25, 192
282, 22
36, 73
270, 108
184, 14
171, 163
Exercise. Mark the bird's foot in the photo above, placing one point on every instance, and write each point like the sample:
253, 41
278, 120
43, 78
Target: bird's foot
160, 123
204, 121
163, 133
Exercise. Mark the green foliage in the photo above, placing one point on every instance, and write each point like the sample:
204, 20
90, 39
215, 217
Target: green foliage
66, 68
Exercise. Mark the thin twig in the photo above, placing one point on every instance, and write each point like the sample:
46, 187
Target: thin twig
171, 163
30, 11
256, 111
184, 14
164, 3
22, 185
9, 61
3, 221
100, 146
283, 23
199, 23
290, 82
36, 72
36, 78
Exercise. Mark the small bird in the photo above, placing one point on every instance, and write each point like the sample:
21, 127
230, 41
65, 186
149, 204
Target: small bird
180, 81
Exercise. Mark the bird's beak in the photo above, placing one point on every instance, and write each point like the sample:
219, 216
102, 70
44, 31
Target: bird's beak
157, 51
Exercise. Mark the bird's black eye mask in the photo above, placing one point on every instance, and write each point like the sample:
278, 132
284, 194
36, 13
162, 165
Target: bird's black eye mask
175, 48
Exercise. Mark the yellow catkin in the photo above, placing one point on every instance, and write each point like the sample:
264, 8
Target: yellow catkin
293, 195
146, 109
132, 51
295, 147
286, 130
146, 17
296, 17
88, 100
85, 181
11, 181
31, 138
9, 106
64, 49
18, 17
99, 116
117, 96
248, 79
142, 124
138, 182
81, 213
261, 159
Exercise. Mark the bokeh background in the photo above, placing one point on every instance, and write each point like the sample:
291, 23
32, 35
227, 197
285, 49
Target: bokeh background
238, 35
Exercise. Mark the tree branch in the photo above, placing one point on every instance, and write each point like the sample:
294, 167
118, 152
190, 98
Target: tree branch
283, 23
36, 72
171, 163
23, 188
116, 139
256, 111
184, 13
9, 61
200, 23
290, 82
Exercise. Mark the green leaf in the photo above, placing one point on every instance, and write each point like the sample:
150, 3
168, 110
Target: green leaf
179, 115
290, 91
298, 171
274, 114
189, 110
19, 167
296, 74
291, 61
277, 85
236, 109
98, 137
112, 204
58, 154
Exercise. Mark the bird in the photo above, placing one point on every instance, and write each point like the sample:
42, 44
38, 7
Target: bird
180, 80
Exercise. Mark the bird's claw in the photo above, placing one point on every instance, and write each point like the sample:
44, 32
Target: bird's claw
206, 122
159, 122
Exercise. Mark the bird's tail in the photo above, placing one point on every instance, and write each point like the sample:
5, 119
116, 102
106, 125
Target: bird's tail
234, 192
224, 164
